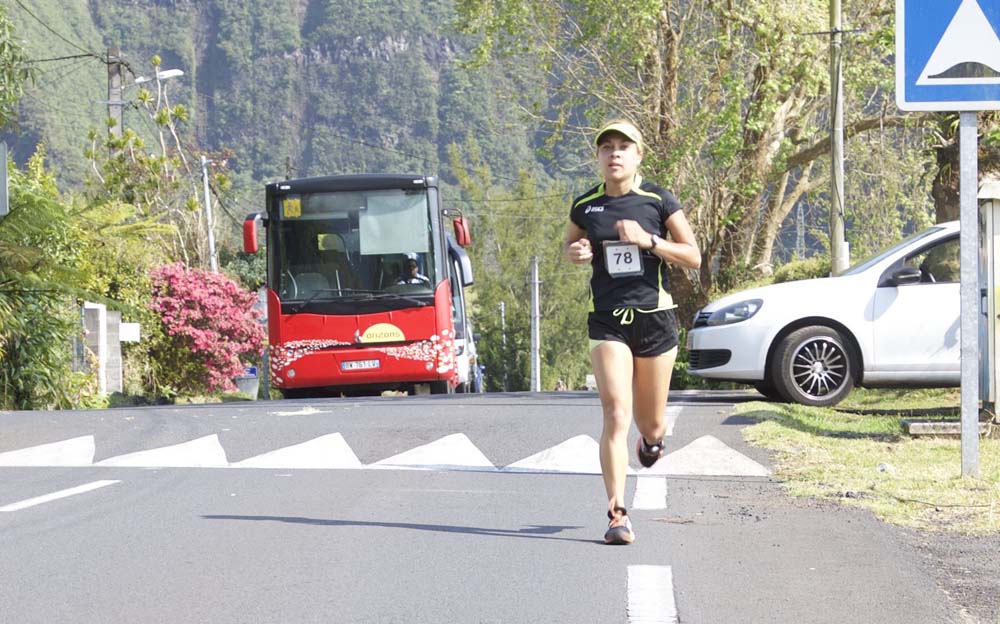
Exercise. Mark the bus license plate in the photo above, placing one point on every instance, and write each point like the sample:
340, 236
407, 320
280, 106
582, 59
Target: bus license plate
359, 365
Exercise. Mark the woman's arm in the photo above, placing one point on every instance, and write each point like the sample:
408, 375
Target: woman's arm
682, 249
576, 247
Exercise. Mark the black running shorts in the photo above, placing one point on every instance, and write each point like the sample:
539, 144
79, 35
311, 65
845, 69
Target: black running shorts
647, 334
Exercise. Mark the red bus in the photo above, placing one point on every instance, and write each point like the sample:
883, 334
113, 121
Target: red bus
365, 287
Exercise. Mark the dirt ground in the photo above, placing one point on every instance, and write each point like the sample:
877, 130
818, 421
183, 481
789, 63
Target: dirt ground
967, 569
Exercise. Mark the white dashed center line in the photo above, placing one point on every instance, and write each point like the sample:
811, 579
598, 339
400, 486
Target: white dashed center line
650, 493
651, 595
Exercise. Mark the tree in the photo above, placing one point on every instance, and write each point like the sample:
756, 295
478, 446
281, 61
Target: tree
730, 97
512, 222
39, 320
159, 183
15, 71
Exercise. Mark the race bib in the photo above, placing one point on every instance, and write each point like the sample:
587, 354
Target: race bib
622, 259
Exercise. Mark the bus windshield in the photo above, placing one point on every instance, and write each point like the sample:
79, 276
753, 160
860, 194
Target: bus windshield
359, 244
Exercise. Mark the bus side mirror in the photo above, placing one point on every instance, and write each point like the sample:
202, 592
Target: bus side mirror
250, 233
462, 235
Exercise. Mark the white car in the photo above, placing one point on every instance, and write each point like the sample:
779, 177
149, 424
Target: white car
891, 321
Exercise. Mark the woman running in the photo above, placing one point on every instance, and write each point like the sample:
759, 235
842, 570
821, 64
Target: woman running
620, 228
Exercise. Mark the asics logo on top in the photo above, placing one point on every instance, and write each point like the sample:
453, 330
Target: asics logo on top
591, 209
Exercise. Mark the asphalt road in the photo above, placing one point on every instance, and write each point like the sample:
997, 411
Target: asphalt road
464, 509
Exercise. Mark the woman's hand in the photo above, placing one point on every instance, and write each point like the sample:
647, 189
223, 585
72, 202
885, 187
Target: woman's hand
631, 232
579, 251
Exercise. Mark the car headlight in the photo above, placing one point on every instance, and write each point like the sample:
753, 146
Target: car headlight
735, 313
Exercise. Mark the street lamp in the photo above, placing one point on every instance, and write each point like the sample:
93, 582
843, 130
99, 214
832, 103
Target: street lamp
213, 263
115, 87
161, 75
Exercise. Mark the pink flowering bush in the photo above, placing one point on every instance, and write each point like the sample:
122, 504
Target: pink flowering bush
209, 330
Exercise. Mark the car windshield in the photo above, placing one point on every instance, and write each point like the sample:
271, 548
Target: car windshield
866, 264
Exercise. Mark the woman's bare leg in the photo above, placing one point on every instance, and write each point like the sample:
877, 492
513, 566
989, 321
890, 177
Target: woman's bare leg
612, 362
651, 385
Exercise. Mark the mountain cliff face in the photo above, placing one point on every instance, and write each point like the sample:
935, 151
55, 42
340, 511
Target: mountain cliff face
299, 87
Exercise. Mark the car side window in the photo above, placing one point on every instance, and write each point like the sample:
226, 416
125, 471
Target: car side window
938, 264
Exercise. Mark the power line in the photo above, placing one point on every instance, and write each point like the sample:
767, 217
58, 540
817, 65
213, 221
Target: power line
54, 32
60, 68
506, 199
544, 218
59, 58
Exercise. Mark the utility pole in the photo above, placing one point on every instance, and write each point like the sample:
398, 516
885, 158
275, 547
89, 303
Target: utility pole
840, 252
115, 103
4, 192
536, 361
208, 216
503, 342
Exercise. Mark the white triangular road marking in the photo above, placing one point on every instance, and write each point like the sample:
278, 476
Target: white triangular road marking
72, 452
578, 455
205, 452
329, 451
453, 452
707, 456
969, 38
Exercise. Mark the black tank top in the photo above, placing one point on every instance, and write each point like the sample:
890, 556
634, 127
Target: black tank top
597, 213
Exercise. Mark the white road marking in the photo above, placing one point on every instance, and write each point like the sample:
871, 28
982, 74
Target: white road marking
72, 452
329, 451
38, 500
453, 452
204, 452
651, 595
707, 456
578, 455
305, 411
650, 493
673, 411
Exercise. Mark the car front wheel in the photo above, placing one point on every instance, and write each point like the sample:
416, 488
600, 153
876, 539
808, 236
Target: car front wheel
813, 366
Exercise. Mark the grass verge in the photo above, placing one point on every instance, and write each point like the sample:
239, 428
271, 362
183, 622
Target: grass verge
860, 455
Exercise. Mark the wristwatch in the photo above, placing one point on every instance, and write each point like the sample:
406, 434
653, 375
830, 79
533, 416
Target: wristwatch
656, 240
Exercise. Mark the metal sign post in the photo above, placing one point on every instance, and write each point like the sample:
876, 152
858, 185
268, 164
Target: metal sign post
969, 289
948, 59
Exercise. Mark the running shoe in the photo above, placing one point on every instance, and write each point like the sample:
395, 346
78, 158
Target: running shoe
649, 453
619, 530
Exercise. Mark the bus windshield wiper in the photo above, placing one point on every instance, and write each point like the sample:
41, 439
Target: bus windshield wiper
368, 295
359, 294
312, 297
397, 296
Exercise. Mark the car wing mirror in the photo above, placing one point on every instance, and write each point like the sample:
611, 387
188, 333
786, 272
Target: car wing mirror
904, 276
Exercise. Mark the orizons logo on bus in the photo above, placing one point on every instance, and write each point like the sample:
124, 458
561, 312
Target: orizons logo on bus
383, 332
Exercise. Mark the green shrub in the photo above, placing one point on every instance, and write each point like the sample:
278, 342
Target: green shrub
37, 354
817, 266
